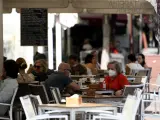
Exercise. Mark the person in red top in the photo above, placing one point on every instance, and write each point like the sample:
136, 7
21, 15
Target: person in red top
115, 79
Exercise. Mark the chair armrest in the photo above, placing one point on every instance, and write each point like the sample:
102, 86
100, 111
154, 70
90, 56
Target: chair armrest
5, 104
52, 101
152, 84
55, 111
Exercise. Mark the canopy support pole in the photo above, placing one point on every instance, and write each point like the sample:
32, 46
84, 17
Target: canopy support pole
1, 35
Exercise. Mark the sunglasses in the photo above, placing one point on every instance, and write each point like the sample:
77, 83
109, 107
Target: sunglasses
38, 67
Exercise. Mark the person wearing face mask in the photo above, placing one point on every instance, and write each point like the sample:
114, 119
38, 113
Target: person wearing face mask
61, 79
115, 79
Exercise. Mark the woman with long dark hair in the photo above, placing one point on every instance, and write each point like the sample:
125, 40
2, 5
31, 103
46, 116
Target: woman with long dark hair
141, 60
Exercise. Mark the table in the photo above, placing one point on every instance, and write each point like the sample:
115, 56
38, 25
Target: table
103, 99
76, 108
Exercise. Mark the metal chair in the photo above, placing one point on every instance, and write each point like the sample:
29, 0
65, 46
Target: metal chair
129, 111
151, 104
57, 95
130, 89
10, 107
41, 91
32, 114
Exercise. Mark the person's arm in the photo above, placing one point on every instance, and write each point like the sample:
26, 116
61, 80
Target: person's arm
93, 69
145, 66
128, 70
74, 86
123, 81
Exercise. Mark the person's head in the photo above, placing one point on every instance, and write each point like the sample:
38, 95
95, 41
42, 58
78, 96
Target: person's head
4, 58
131, 58
94, 53
90, 59
39, 56
86, 41
10, 69
65, 68
21, 63
141, 59
114, 68
72, 60
40, 66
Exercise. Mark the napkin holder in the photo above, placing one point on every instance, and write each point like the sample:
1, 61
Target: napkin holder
71, 101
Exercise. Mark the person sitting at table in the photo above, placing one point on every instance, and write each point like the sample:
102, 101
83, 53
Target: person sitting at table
132, 65
141, 60
76, 67
8, 84
115, 79
90, 64
61, 79
23, 76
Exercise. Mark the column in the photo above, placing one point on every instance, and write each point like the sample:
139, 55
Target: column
1, 35
68, 42
58, 42
106, 39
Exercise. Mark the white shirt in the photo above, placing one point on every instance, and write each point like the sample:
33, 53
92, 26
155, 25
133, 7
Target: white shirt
135, 66
87, 47
7, 88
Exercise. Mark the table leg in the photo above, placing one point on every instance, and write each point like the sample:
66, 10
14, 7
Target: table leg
72, 115
115, 111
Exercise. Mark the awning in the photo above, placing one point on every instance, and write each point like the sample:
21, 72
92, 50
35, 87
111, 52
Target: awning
90, 6
35, 3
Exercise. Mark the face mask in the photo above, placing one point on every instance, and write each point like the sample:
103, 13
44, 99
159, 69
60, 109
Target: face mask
112, 73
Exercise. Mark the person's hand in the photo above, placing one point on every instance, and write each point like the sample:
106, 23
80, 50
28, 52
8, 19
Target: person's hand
118, 93
30, 69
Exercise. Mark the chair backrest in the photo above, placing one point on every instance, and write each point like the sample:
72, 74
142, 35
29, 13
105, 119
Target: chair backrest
131, 106
36, 100
158, 79
28, 107
55, 95
23, 89
130, 89
141, 79
41, 91
13, 98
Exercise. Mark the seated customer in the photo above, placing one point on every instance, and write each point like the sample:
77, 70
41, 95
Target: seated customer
61, 79
23, 76
116, 80
76, 67
132, 65
39, 70
90, 64
8, 84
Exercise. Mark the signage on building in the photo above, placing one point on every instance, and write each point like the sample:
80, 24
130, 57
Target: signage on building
34, 27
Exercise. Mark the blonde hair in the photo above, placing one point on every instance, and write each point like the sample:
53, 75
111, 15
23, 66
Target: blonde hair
43, 63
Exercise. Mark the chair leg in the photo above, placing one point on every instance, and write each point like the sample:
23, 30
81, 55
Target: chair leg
89, 116
11, 114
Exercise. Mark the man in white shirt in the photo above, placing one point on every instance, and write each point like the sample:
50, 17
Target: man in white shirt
132, 65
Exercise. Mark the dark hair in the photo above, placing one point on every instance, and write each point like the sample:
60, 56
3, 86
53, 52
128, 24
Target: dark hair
143, 62
21, 63
73, 57
132, 57
4, 58
11, 68
88, 58
39, 56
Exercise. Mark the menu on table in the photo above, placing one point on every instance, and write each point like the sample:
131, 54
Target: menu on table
34, 26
